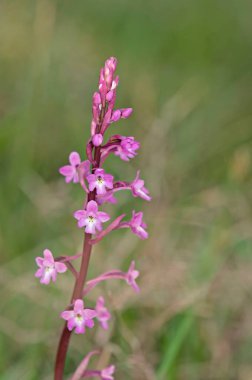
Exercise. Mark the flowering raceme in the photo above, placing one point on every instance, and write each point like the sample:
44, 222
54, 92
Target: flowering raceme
99, 188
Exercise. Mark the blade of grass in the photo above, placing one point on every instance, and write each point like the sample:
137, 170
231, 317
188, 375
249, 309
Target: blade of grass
174, 345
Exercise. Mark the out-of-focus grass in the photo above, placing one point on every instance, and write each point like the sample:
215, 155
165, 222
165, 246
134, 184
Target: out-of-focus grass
185, 67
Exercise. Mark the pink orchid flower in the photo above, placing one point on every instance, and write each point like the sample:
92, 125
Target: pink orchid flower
48, 268
131, 276
91, 218
76, 168
79, 318
138, 189
127, 148
100, 181
137, 225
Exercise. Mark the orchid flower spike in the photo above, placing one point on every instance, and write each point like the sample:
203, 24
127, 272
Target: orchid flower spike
99, 188
48, 267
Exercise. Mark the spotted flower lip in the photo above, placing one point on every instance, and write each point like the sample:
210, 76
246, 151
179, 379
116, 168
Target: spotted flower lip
48, 267
138, 189
79, 318
103, 315
91, 218
137, 225
100, 181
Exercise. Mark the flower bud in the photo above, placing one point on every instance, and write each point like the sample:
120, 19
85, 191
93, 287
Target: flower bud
96, 99
111, 63
109, 95
126, 112
97, 139
116, 115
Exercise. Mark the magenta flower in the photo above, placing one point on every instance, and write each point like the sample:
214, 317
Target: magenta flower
76, 170
137, 225
79, 318
131, 275
138, 189
127, 148
48, 268
100, 181
91, 218
103, 314
106, 373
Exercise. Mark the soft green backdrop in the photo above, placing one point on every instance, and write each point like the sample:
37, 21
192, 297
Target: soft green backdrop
186, 68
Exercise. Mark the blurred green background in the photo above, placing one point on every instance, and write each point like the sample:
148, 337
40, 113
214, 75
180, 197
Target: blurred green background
185, 67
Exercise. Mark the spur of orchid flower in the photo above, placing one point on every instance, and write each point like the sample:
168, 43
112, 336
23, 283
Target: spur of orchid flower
98, 187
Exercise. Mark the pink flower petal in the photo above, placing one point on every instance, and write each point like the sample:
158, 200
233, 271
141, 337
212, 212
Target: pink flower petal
92, 206
60, 267
39, 261
67, 314
48, 255
74, 159
67, 170
39, 272
80, 329
103, 216
78, 306
80, 214
71, 324
89, 313
89, 323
